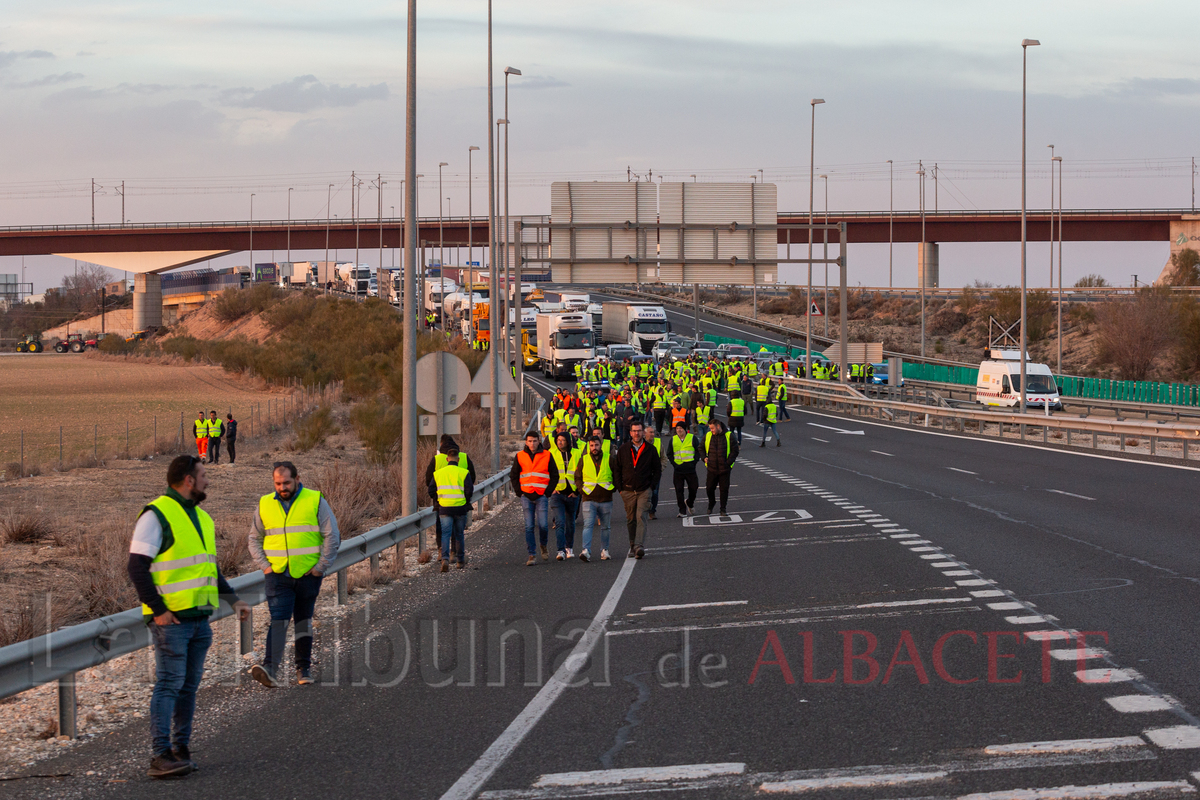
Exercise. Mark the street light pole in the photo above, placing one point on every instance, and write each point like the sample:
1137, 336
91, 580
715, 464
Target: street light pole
1060, 239
324, 278
922, 255
252, 275
1051, 214
379, 270
825, 252
408, 488
891, 214
289, 227
441, 234
470, 232
493, 277
812, 150
1025, 45
516, 257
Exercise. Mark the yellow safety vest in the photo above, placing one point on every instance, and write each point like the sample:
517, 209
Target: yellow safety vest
215, 428
293, 538
200, 428
593, 477
703, 414
683, 450
441, 459
451, 483
752, 368
566, 468
760, 392
772, 413
185, 574
738, 405
728, 443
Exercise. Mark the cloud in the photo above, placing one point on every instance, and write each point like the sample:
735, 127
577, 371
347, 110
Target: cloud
85, 53
8, 57
1159, 87
533, 82
304, 93
49, 80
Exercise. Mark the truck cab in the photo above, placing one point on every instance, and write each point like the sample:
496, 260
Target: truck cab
999, 382
564, 340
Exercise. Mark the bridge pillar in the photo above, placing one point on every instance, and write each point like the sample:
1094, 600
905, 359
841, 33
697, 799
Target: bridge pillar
147, 301
927, 264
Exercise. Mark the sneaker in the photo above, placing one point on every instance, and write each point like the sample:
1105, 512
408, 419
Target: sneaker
570, 555
560, 555
462, 564
529, 562
180, 752
165, 765
445, 565
709, 510
681, 514
303, 677
778, 443
641, 551
604, 556
653, 515
724, 513
584, 556
762, 444
691, 508
545, 553
264, 676
632, 552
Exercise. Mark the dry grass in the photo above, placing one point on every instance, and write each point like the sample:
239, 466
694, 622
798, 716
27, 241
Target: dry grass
314, 429
353, 493
104, 586
233, 544
26, 527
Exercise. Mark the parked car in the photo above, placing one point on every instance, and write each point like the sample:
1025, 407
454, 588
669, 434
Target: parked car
661, 349
880, 374
677, 352
621, 352
704, 347
734, 352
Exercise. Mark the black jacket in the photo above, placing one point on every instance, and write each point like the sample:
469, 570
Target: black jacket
717, 459
687, 467
627, 477
515, 474
231, 430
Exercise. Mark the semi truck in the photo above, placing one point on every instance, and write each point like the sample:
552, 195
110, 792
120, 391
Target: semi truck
640, 325
356, 278
564, 340
434, 290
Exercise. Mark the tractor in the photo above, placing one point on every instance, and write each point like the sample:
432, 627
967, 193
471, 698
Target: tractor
31, 344
73, 343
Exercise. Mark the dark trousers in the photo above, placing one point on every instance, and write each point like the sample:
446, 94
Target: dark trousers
214, 449
660, 416
693, 484
290, 598
735, 427
231, 448
714, 480
637, 511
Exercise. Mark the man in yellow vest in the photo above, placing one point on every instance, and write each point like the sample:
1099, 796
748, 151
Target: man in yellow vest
735, 412
594, 479
656, 441
768, 415
200, 430
451, 487
294, 540
533, 473
439, 460
173, 568
683, 451
564, 500
215, 430
720, 451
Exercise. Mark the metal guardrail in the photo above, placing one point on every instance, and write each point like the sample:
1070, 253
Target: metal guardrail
844, 399
60, 654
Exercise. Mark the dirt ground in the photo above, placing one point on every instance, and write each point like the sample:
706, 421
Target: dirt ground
95, 397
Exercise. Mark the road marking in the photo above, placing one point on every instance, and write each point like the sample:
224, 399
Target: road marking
681, 772
993, 593
798, 620
1079, 653
1006, 606
923, 549
850, 782
498, 752
1071, 494
1032, 619
905, 536
1102, 675
959, 573
934, 555
880, 452
946, 564
1176, 737
918, 540
975, 582
696, 605
1065, 745
1093, 792
963, 471
815, 439
1043, 635
839, 430
1138, 703
746, 518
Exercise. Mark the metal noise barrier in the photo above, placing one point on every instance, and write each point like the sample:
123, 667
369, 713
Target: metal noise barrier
60, 654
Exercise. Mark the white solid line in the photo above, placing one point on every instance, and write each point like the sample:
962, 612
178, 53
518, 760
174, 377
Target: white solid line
1078, 654
1071, 494
498, 752
1065, 745
1176, 737
696, 605
830, 428
1138, 703
1093, 792
880, 452
963, 471
1102, 675
850, 782
815, 439
681, 772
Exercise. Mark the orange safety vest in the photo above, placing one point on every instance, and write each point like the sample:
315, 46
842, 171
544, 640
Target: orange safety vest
535, 472
677, 416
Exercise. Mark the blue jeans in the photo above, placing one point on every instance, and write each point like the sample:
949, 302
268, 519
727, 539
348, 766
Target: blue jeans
179, 652
769, 426
654, 495
290, 598
532, 508
564, 509
452, 529
592, 510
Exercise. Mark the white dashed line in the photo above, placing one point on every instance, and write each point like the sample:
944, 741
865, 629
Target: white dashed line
825, 441
963, 471
1176, 737
880, 452
991, 593
1079, 654
1071, 494
1006, 606
850, 782
608, 777
1065, 746
1025, 620
1103, 675
1138, 703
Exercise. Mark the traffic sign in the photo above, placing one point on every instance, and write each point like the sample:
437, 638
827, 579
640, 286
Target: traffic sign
456, 381
816, 310
482, 383
427, 425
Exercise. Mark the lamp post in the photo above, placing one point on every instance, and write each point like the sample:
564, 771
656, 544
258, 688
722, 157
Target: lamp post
289, 227
1060, 238
693, 178
379, 270
1051, 215
252, 275
470, 211
408, 486
825, 253
760, 176
441, 235
891, 213
493, 277
500, 262
921, 255
1025, 45
328, 208
812, 150
516, 257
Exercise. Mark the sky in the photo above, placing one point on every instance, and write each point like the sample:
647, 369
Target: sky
196, 107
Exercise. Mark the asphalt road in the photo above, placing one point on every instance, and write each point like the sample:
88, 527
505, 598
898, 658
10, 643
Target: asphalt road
885, 613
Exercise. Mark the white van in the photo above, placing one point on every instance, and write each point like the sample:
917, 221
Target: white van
999, 382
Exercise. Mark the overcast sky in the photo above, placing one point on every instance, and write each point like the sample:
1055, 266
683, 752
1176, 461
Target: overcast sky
197, 106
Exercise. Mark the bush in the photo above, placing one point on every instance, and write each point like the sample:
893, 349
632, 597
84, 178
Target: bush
1091, 282
115, 345
233, 304
313, 429
25, 528
946, 321
104, 586
1185, 268
353, 494
1039, 310
379, 424
233, 544
1131, 334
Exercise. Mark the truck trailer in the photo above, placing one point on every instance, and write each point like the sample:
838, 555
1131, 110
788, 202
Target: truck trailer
564, 340
640, 325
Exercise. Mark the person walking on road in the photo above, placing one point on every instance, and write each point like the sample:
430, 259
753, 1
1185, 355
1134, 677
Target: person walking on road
215, 429
635, 471
440, 459
564, 500
173, 568
200, 430
683, 451
720, 451
594, 477
768, 416
452, 486
231, 437
735, 412
293, 540
533, 473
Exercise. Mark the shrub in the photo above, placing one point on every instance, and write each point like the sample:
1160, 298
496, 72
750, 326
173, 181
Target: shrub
233, 544
25, 528
115, 345
1132, 333
353, 494
1091, 282
1039, 310
313, 429
233, 304
378, 424
946, 320
104, 586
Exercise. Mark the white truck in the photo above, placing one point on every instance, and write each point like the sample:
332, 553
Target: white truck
457, 305
999, 382
356, 279
640, 325
435, 289
564, 340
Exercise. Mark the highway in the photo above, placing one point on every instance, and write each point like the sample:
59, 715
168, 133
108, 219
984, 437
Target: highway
885, 613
